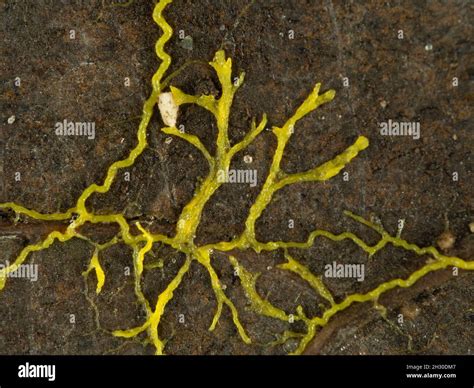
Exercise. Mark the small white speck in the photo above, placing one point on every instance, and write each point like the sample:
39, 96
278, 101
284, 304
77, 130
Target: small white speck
269, 268
224, 287
122, 140
248, 159
168, 109
11, 120
428, 47
383, 104
471, 227
168, 140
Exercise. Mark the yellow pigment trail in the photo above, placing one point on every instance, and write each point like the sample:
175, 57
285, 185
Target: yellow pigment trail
190, 217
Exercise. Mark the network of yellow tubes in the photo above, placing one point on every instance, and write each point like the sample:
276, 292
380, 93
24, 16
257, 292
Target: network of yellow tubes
183, 239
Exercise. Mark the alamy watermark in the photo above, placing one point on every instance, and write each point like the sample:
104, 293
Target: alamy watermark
25, 271
33, 371
237, 176
338, 270
400, 128
81, 128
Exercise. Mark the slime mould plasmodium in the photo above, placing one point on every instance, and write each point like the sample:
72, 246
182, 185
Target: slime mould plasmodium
189, 219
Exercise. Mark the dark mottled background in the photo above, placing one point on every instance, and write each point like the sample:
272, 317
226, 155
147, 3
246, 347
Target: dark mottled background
389, 78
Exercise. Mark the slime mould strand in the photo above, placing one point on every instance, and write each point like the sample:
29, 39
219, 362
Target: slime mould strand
189, 219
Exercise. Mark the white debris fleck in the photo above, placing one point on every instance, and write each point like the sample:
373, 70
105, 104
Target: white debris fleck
248, 159
11, 120
429, 47
168, 140
168, 109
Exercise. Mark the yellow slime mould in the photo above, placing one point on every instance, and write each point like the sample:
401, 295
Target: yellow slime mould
141, 241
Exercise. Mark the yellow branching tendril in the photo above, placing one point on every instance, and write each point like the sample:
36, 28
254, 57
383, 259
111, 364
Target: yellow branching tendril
190, 217
261, 306
304, 273
154, 319
36, 215
203, 258
99, 272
